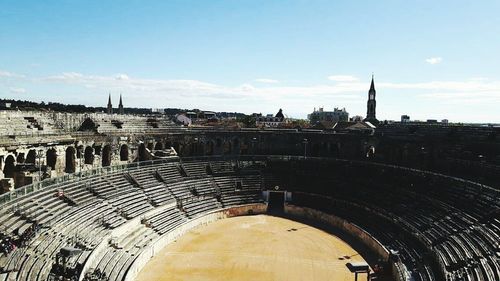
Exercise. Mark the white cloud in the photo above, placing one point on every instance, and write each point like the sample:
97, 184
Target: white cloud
122, 77
348, 91
343, 78
266, 80
434, 60
17, 90
247, 88
8, 74
66, 77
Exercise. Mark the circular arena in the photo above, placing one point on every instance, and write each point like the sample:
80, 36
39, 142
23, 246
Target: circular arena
122, 222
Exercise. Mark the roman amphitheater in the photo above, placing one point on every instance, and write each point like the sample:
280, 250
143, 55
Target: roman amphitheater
122, 197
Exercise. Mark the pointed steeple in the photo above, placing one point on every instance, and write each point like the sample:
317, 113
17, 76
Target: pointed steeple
121, 111
372, 104
372, 86
110, 106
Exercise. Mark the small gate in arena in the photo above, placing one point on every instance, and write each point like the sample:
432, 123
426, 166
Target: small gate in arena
276, 200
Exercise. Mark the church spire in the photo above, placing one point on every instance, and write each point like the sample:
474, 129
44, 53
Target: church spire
121, 111
110, 106
372, 104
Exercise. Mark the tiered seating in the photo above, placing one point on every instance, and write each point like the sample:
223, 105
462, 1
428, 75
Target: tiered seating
169, 172
153, 188
199, 206
129, 200
167, 220
238, 190
221, 167
122, 251
419, 214
129, 123
26, 123
195, 169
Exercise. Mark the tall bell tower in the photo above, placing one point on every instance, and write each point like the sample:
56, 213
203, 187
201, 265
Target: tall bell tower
371, 105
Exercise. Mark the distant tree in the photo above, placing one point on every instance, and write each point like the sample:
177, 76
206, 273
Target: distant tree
247, 121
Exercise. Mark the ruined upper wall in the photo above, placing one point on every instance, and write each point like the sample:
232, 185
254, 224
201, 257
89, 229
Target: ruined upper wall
466, 151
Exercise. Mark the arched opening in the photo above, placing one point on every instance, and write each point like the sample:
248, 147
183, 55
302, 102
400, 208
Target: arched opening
236, 146
150, 146
227, 147
51, 158
124, 152
31, 157
159, 146
244, 147
370, 152
143, 154
193, 149
168, 144
70, 160
335, 150
106, 156
209, 148
20, 158
177, 146
10, 166
315, 149
88, 155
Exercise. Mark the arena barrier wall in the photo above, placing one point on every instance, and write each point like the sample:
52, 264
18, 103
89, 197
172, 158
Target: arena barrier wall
399, 273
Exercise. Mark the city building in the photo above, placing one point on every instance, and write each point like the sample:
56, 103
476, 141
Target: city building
337, 115
270, 121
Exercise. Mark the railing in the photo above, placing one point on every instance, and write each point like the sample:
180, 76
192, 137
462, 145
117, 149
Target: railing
25, 190
53, 182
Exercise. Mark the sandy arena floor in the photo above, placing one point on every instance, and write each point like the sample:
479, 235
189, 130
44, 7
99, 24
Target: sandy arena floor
253, 248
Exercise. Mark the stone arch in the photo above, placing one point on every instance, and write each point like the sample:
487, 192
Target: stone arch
209, 148
244, 147
150, 146
227, 147
159, 146
124, 152
10, 166
236, 146
142, 153
168, 144
335, 149
370, 152
52, 158
31, 157
315, 149
176, 145
106, 156
70, 166
88, 155
20, 158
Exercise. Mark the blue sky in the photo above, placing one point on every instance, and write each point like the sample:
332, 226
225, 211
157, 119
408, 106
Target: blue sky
431, 59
